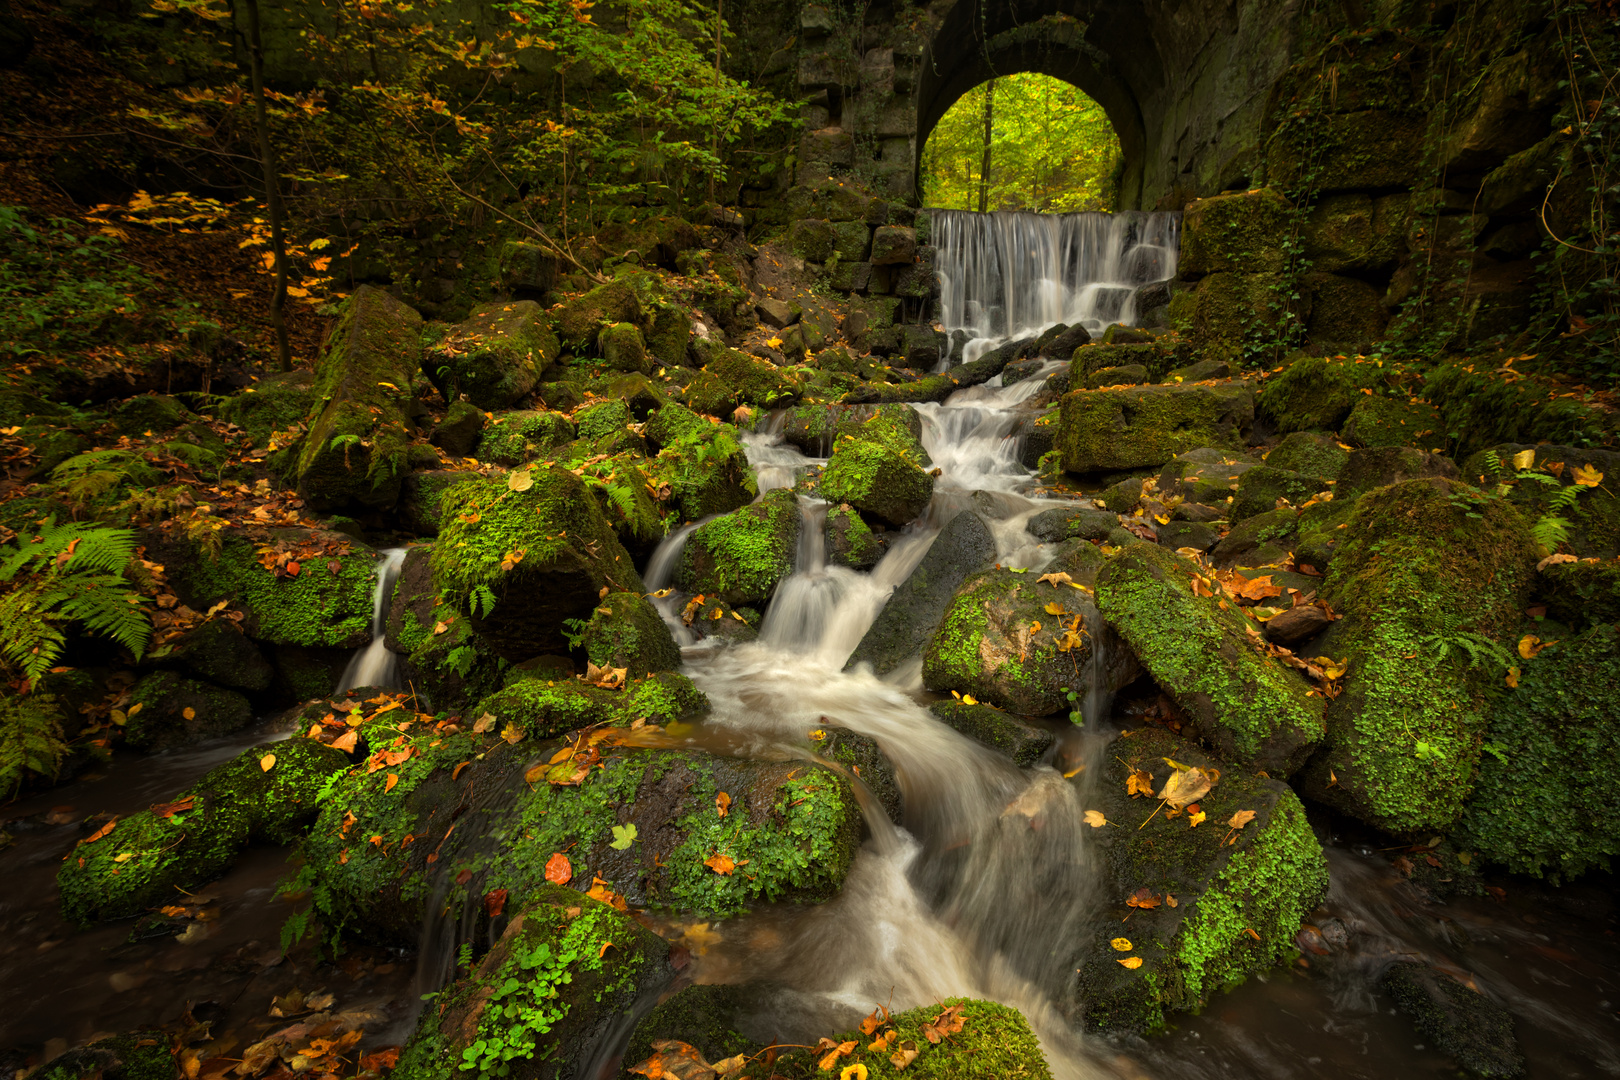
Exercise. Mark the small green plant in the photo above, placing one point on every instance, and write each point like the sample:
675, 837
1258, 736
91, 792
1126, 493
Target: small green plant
482, 601
68, 573
30, 739
574, 632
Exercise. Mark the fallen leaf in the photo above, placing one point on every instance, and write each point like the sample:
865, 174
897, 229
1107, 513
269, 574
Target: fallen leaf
904, 1056
856, 1071
494, 902
1095, 819
1554, 560
623, 837
1171, 901
1241, 818
267, 762
722, 802
1513, 678
388, 785
720, 864
559, 871
512, 733
1143, 898
1530, 645
1196, 819
1132, 962
1185, 786
1524, 459
1586, 476
1122, 944
1139, 783
948, 1022
189, 713
519, 480
483, 723
347, 741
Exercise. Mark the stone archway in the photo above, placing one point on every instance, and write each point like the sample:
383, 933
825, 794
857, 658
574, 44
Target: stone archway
1185, 84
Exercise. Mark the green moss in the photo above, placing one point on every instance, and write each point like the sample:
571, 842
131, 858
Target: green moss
1388, 421
319, 607
1260, 488
753, 381
627, 631
1479, 409
995, 1041
136, 1055
1241, 232
274, 403
147, 857
1431, 581
1244, 703
881, 479
742, 556
1315, 393
850, 541
452, 669
1021, 741
1313, 455
495, 357
175, 711
623, 349
1241, 894
703, 465
702, 1016
579, 319
1582, 594
1540, 801
1103, 430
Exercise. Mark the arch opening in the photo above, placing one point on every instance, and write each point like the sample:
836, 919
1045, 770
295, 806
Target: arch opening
1025, 141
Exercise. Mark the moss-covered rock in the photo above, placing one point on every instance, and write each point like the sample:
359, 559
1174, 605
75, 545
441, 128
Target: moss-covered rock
750, 380
1240, 894
626, 631
220, 653
568, 554
1541, 799
419, 496
458, 433
544, 707
1103, 430
561, 974
704, 1016
742, 556
995, 1041
354, 450
816, 428
1594, 516
703, 465
274, 403
1007, 732
136, 1055
850, 541
1355, 232
1431, 581
1347, 313
999, 642
1261, 489
1456, 1018
1379, 466
141, 861
327, 604
580, 318
1242, 232
1064, 523
1314, 393
906, 625
1582, 594
1313, 455
1242, 702
1388, 421
881, 480
623, 349
494, 358
176, 711
514, 438
1206, 476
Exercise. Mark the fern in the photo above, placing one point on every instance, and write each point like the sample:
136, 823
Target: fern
1550, 531
483, 601
74, 573
30, 739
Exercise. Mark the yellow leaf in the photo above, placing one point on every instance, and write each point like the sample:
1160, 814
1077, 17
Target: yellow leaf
267, 762
1530, 645
189, 713
1195, 820
1241, 818
484, 723
1132, 962
388, 785
1513, 677
125, 857
1095, 819
512, 733
1524, 459
1054, 608
856, 1071
519, 480
1587, 476
1054, 580
775, 342
1034, 628
1185, 786
1121, 944
968, 699
1139, 783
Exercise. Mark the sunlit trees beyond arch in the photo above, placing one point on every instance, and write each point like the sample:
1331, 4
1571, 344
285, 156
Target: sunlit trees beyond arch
1050, 148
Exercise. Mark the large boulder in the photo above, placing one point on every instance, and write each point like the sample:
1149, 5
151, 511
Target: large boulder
173, 711
218, 652
1209, 905
1592, 514
742, 557
355, 448
626, 631
1541, 799
1316, 393
913, 611
274, 403
1103, 430
494, 358
701, 462
1431, 581
1006, 732
1242, 232
1243, 702
139, 861
883, 481
512, 438
1022, 644
519, 556
1265, 488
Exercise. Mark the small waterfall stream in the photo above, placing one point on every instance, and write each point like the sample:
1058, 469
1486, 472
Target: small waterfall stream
375, 664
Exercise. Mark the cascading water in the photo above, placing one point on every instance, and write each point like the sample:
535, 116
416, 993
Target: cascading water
1013, 274
375, 664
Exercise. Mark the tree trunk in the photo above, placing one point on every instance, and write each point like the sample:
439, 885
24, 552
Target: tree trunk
272, 187
984, 157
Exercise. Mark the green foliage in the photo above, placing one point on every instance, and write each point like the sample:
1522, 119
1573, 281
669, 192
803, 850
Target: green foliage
1052, 149
68, 573
30, 739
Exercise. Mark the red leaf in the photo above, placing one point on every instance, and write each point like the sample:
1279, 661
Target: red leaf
559, 871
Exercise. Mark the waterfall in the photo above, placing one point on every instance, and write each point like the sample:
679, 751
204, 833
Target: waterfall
1013, 274
374, 664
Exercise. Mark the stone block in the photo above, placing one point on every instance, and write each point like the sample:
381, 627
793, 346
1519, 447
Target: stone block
812, 239
894, 245
1242, 233
1146, 426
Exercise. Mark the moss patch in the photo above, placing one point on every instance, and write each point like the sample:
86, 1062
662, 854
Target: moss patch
1102, 430
995, 1041
743, 556
495, 357
319, 607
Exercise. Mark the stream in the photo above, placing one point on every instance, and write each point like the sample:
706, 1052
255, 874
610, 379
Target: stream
982, 887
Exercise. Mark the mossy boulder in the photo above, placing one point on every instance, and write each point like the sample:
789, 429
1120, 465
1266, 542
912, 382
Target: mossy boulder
144, 858
1593, 517
791, 829
743, 556
1261, 489
703, 1015
702, 463
218, 652
816, 428
623, 349
884, 482
419, 497
354, 450
995, 1041
1226, 309
1313, 455
1006, 732
1347, 313
543, 707
812, 240
496, 357
274, 403
134, 1055
326, 604
1431, 582
1103, 430
626, 631
999, 642
1355, 232
1541, 799
1205, 476
1243, 232
559, 977
568, 555
175, 711
750, 380
1064, 523
1582, 594
1315, 393
1240, 894
458, 433
513, 438
906, 625
850, 541
1089, 360
1379, 466
1245, 704
580, 318
1388, 421
1456, 1018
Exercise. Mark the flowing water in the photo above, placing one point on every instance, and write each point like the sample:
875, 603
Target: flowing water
374, 664
1013, 274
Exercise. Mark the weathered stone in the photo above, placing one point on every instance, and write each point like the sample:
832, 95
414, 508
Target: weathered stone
1203, 369
1242, 233
1147, 426
624, 350
1007, 732
1345, 311
458, 433
1457, 1019
1129, 375
528, 267
893, 245
774, 313
743, 556
1064, 523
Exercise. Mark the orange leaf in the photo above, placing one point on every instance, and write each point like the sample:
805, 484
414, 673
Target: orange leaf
720, 864
559, 871
1142, 898
495, 902
346, 742
388, 785
722, 803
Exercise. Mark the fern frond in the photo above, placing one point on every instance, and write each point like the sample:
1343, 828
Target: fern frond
1550, 531
193, 454
482, 601
106, 607
32, 642
30, 739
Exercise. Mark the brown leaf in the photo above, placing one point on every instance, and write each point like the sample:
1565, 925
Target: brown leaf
1241, 818
877, 1019
1132, 962
495, 902
1143, 898
905, 1055
1185, 786
720, 864
722, 802
172, 808
347, 741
